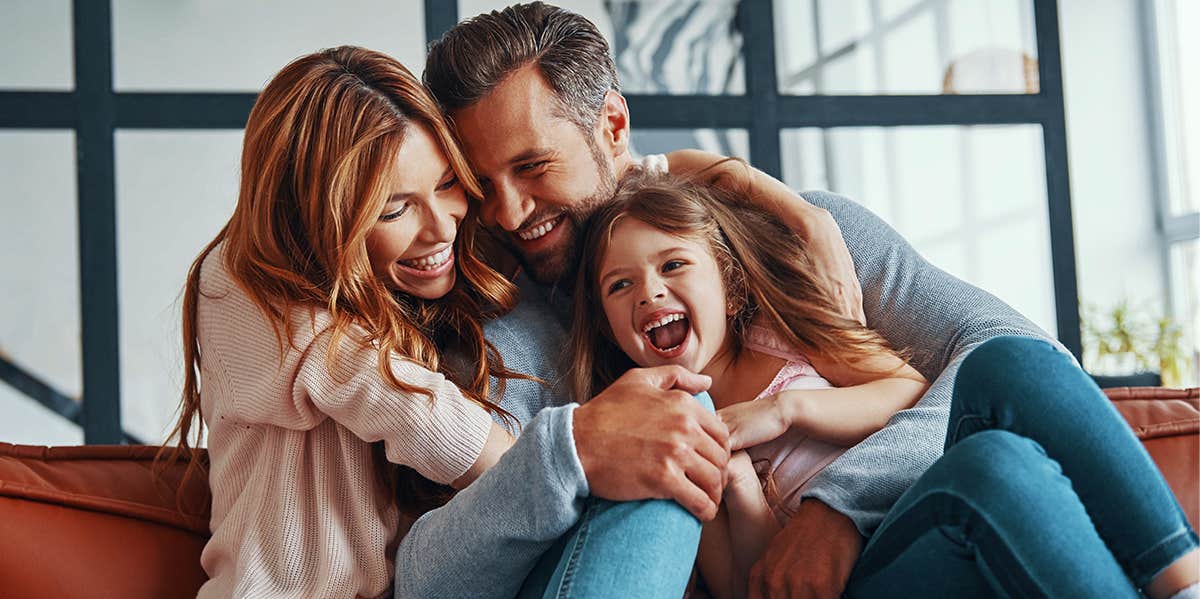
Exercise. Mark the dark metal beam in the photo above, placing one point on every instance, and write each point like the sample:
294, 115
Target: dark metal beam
33, 387
37, 110
440, 16
758, 49
1058, 182
101, 416
183, 110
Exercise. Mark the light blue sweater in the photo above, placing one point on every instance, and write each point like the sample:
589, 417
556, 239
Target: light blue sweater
486, 540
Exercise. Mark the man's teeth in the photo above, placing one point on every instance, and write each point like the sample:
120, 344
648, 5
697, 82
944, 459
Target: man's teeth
538, 231
665, 320
429, 262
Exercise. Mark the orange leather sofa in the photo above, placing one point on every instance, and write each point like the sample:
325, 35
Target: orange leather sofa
97, 522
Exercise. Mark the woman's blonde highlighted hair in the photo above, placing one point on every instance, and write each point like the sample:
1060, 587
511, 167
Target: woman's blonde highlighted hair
319, 145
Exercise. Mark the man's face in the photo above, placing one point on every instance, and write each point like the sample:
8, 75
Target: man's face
542, 176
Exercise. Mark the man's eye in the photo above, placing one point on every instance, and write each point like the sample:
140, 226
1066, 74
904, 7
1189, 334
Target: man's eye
391, 216
531, 166
672, 265
451, 182
618, 285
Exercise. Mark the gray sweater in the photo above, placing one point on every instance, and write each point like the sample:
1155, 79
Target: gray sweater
486, 540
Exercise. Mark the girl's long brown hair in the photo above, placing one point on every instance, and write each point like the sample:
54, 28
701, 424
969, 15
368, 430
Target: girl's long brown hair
318, 146
768, 276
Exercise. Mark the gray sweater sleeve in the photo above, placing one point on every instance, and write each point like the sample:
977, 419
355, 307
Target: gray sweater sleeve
484, 542
939, 318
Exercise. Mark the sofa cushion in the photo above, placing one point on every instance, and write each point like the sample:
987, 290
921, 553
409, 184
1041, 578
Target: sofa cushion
99, 521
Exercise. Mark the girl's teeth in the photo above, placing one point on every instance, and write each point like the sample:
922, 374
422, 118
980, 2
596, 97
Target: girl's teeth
429, 262
538, 231
668, 319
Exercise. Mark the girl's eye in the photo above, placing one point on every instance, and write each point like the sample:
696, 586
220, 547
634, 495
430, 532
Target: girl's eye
451, 182
672, 265
618, 285
391, 216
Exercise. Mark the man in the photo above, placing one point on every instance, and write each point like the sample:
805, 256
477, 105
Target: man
533, 94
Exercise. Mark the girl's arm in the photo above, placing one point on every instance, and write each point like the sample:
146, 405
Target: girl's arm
861, 404
498, 442
750, 526
826, 246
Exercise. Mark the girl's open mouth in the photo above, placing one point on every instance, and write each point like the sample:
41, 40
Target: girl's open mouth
667, 333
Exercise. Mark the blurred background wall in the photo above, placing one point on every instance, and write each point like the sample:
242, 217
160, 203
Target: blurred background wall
973, 198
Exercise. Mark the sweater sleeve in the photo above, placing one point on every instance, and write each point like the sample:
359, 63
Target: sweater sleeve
939, 319
488, 537
439, 435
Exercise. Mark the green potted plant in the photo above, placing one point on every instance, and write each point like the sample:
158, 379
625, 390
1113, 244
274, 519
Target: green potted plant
1129, 342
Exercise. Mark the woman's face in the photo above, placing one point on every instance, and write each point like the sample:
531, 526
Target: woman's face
663, 296
411, 247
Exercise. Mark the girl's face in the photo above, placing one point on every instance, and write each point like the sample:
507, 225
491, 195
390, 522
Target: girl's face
664, 297
411, 247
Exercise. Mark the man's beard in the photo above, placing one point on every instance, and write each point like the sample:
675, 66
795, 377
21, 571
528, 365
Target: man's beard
558, 268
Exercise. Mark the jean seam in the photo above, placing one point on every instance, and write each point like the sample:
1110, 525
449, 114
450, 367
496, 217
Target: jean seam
564, 587
988, 424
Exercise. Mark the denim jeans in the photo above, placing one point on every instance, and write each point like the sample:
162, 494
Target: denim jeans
621, 549
1043, 491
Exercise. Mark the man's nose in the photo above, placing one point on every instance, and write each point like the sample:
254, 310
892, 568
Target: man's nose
506, 206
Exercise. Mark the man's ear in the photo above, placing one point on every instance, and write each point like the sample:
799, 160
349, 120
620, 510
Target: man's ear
614, 124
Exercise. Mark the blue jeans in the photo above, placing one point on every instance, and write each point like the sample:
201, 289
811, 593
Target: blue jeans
1043, 491
621, 549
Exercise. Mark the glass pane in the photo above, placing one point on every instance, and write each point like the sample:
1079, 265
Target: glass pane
1185, 288
39, 258
905, 47
972, 200
689, 47
36, 41
229, 45
1179, 50
26, 422
175, 189
726, 142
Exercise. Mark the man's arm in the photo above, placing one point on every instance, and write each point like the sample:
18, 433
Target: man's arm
936, 316
642, 437
939, 319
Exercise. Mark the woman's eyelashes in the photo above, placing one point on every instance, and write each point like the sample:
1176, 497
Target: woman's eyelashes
391, 216
449, 184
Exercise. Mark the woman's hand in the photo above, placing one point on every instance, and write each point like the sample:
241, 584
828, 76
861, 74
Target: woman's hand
755, 422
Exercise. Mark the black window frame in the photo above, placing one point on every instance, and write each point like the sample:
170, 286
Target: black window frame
94, 111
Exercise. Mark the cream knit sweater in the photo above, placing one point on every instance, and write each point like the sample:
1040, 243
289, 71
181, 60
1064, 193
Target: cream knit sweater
297, 511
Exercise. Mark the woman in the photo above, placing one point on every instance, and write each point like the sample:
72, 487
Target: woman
311, 325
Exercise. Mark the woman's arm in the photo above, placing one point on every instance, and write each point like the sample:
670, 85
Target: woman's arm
816, 225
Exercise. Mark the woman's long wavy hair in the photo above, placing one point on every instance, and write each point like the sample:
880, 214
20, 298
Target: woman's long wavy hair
318, 146
768, 277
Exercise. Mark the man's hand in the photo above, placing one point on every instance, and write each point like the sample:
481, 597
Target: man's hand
646, 437
830, 256
811, 557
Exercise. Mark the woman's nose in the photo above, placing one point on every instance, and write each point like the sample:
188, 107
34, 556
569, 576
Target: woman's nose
443, 224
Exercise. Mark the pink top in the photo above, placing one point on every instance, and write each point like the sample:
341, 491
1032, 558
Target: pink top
297, 510
793, 458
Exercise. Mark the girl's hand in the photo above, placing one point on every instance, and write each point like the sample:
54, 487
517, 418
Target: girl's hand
740, 472
755, 422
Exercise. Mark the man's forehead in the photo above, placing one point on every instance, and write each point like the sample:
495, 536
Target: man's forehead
519, 115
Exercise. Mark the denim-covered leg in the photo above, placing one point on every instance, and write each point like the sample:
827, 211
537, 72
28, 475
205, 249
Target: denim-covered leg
621, 549
1025, 386
993, 517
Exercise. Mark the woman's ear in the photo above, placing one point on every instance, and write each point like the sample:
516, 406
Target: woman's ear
614, 124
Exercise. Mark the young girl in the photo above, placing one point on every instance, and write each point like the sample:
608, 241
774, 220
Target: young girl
686, 274
309, 329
